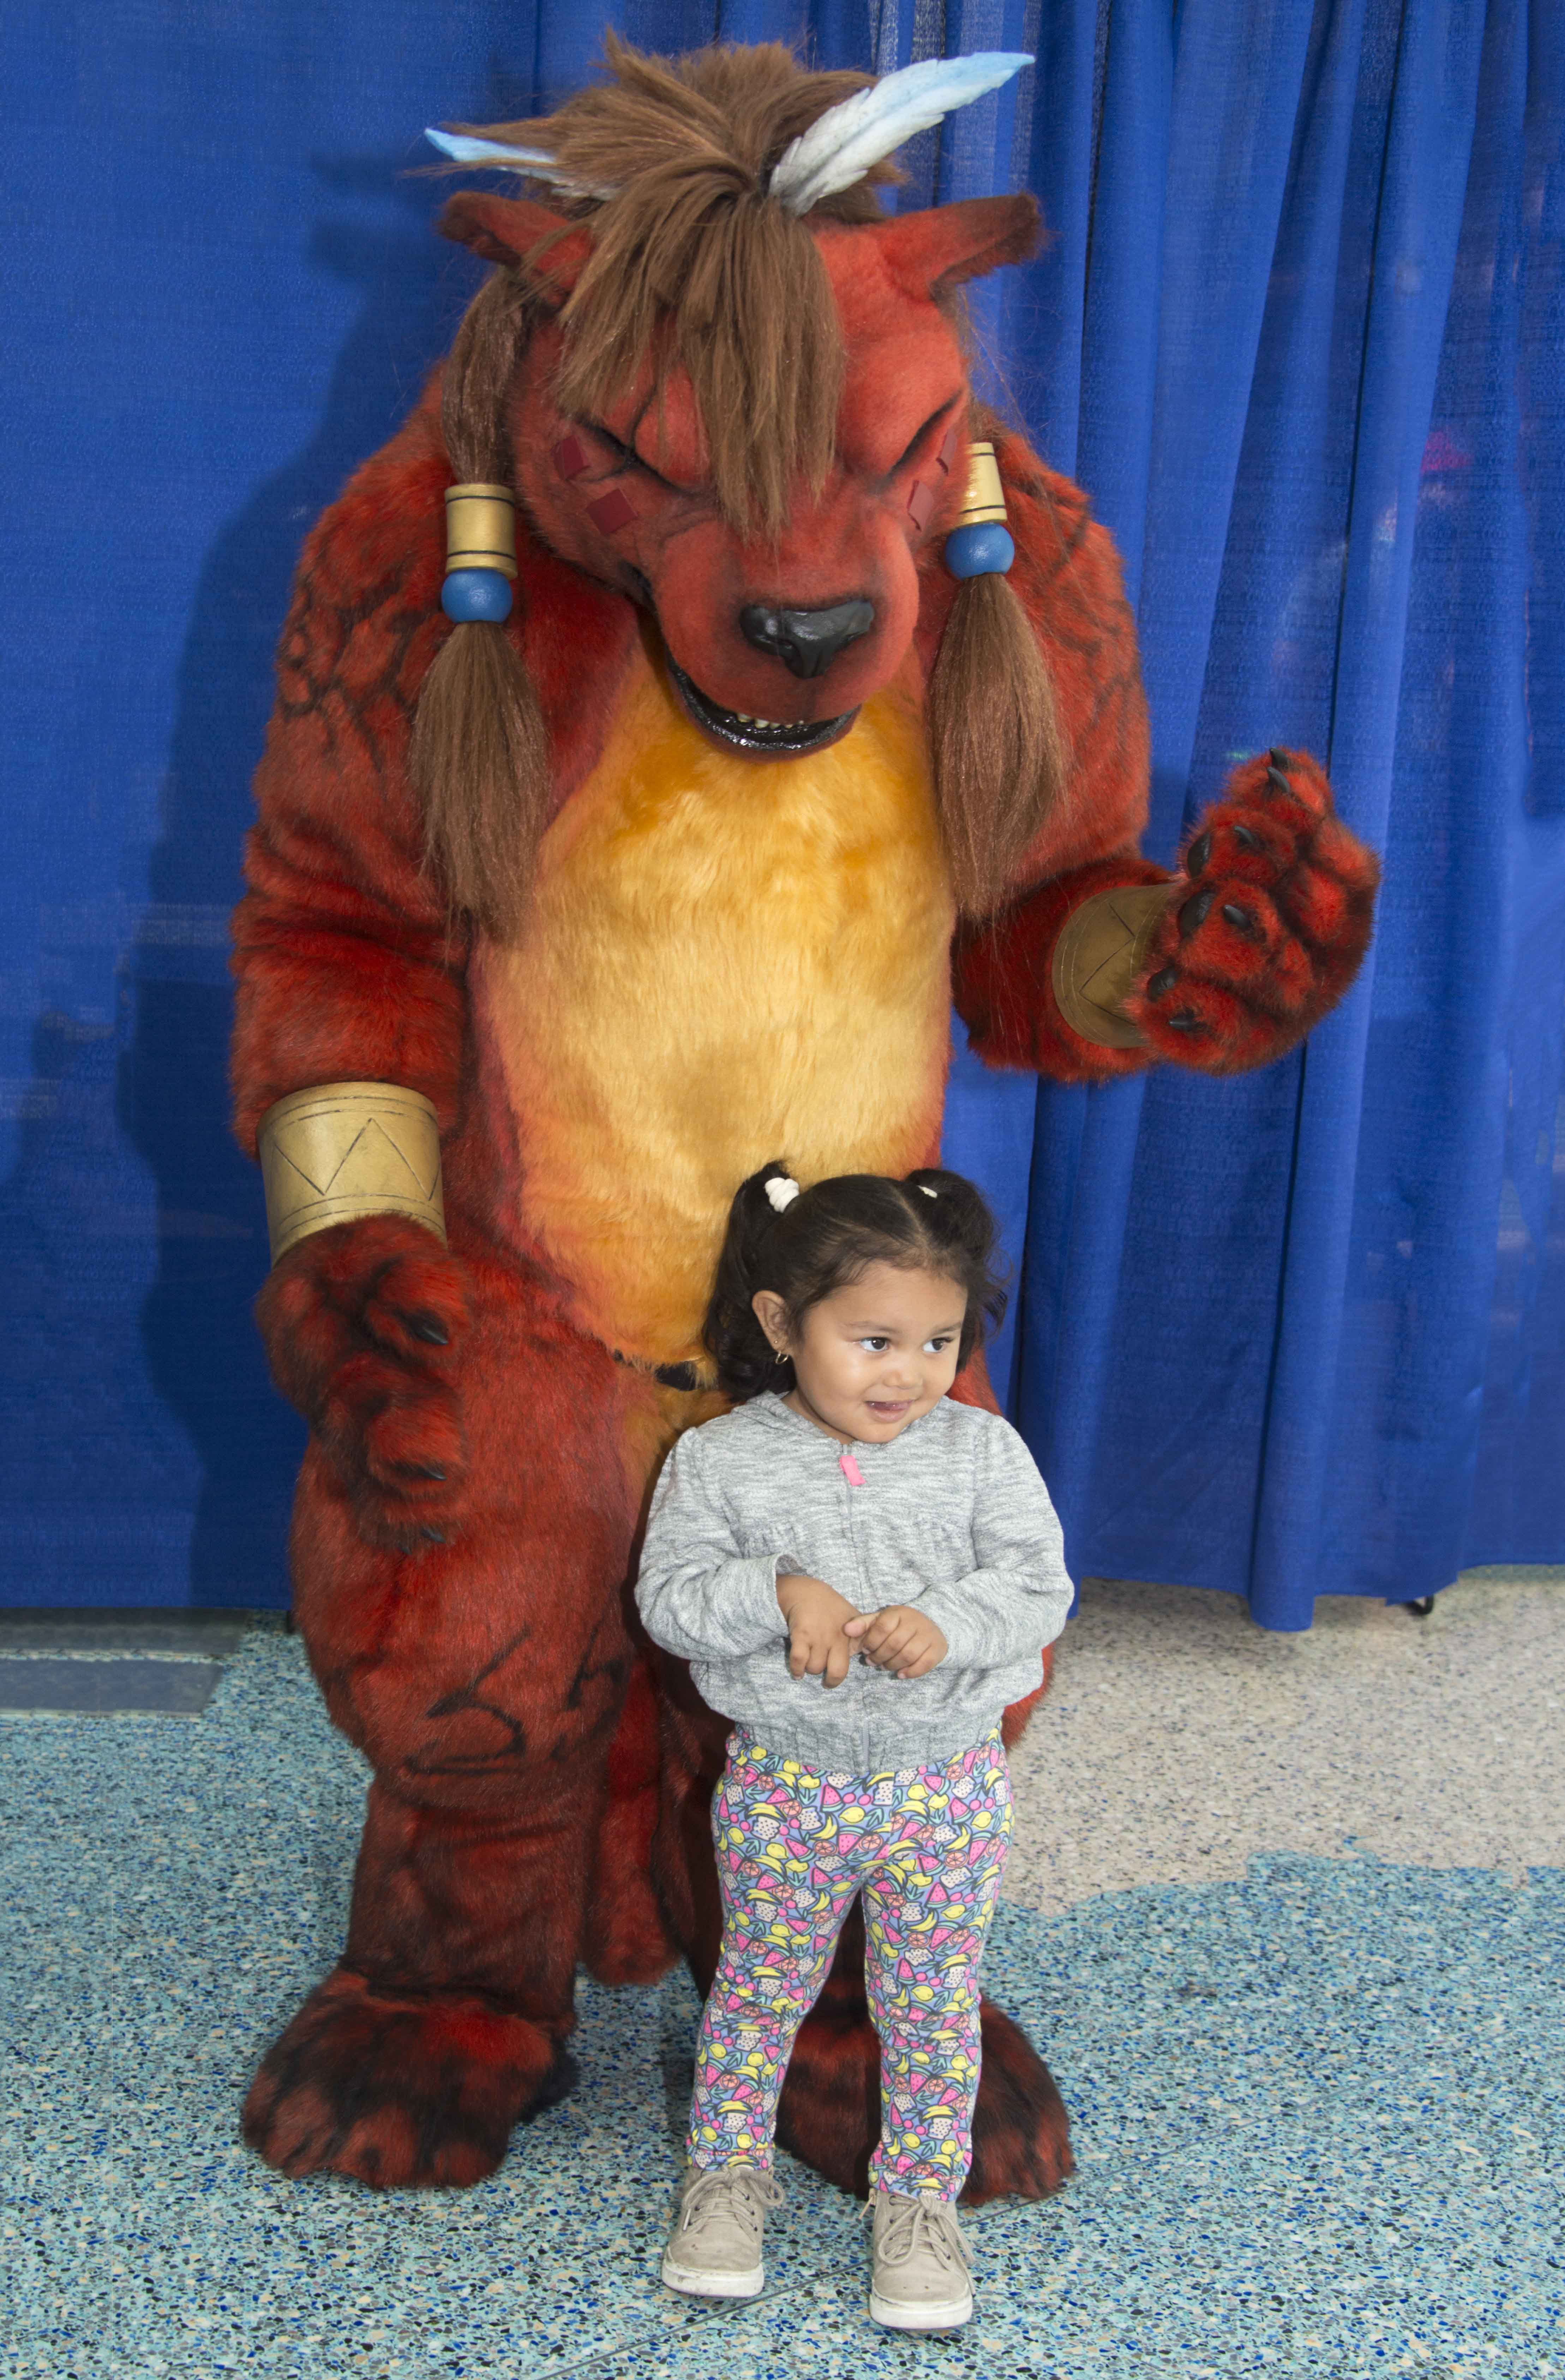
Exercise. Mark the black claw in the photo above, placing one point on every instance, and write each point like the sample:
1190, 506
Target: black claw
435, 1536
1278, 778
1239, 917
425, 1327
1245, 838
1278, 757
1194, 913
420, 1470
1200, 851
1162, 982
1184, 1020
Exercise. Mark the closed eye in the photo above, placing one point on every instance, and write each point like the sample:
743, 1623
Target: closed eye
627, 459
911, 449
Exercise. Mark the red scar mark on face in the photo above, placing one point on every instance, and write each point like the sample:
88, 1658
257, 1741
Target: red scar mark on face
570, 458
920, 504
610, 512
949, 445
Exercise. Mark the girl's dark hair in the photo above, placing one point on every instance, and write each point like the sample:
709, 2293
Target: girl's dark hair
827, 1237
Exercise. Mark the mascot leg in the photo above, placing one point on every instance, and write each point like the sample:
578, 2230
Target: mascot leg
484, 1679
830, 2111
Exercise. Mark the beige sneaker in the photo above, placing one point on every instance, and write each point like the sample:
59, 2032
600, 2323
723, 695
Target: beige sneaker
922, 2272
714, 2248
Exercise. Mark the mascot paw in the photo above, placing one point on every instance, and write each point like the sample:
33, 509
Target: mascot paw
830, 2111
409, 2093
1266, 928
363, 1327
1021, 2132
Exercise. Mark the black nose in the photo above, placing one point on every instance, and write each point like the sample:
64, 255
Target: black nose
808, 643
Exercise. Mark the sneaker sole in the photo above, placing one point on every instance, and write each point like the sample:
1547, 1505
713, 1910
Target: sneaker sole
694, 2284
895, 2316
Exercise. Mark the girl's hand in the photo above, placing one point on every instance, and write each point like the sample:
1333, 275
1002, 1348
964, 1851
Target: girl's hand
815, 1613
897, 1638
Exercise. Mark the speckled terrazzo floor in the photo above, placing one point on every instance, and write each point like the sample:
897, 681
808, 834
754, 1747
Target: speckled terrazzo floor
1312, 2047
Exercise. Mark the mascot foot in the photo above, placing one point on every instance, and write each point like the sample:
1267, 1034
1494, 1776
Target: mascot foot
400, 2092
830, 2112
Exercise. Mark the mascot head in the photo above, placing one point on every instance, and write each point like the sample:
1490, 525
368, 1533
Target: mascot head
719, 378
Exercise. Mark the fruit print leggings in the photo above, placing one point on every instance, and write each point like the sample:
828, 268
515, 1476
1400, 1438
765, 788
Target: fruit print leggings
926, 1847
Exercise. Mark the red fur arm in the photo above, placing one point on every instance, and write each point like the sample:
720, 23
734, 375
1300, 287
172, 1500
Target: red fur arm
1001, 975
341, 946
1275, 902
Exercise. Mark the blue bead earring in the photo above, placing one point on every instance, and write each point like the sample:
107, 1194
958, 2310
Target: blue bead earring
980, 542
480, 552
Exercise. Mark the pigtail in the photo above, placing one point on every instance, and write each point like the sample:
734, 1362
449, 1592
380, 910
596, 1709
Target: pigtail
746, 1359
998, 745
964, 1241
479, 753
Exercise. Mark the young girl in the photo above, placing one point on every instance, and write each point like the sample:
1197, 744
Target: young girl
863, 1574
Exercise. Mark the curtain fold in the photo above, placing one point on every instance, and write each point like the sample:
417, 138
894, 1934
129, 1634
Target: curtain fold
1299, 330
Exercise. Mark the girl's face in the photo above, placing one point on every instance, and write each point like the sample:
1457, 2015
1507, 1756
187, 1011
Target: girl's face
873, 1356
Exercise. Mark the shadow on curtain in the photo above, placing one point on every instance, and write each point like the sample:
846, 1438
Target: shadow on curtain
1299, 333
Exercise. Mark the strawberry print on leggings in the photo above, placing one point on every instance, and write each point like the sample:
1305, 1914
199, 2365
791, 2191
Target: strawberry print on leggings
926, 1847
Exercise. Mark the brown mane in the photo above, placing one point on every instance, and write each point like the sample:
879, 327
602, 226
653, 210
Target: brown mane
692, 255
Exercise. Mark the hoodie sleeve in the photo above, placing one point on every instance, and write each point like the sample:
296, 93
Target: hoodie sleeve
1017, 1600
698, 1594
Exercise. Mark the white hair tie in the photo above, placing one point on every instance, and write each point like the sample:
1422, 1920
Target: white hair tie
782, 1190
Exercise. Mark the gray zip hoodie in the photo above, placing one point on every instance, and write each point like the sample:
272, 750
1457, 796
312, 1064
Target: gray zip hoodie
952, 1517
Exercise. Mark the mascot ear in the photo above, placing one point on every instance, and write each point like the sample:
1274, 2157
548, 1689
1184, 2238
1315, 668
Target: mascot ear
547, 248
932, 250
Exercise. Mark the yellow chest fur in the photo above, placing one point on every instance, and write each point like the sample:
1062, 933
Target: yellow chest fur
725, 961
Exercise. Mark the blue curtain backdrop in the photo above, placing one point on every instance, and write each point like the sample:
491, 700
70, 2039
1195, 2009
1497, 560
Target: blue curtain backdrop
1300, 333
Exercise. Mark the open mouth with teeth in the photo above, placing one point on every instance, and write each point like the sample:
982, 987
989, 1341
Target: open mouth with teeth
766, 739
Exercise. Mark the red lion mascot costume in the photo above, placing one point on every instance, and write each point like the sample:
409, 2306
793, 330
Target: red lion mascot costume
674, 866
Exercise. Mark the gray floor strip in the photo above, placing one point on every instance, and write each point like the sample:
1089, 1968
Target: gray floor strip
103, 1686
105, 1629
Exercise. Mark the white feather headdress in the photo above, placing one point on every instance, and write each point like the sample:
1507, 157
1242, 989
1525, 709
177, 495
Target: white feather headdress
840, 146
838, 150
536, 163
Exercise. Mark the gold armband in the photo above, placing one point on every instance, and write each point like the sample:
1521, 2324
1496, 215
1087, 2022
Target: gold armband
342, 1151
1101, 949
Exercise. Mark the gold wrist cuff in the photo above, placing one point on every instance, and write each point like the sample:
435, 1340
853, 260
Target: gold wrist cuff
1100, 950
480, 528
342, 1150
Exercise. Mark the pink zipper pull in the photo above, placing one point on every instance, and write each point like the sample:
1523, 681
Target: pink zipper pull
850, 1469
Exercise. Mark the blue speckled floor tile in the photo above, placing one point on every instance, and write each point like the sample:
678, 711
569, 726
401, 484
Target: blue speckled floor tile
1319, 2115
